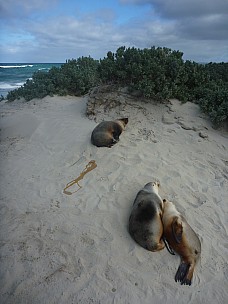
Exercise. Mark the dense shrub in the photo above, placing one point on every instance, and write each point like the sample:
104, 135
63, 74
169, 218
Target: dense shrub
152, 71
215, 103
157, 73
218, 71
75, 77
162, 73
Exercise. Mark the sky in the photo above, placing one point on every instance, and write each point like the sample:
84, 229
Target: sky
55, 30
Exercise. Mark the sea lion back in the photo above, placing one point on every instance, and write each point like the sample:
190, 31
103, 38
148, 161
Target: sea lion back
183, 240
145, 225
102, 135
107, 133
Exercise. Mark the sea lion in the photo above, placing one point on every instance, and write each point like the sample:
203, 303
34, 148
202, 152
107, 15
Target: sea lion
145, 224
183, 240
107, 133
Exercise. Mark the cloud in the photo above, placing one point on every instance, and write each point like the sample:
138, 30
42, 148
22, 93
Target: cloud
16, 9
186, 8
202, 36
183, 8
211, 27
63, 37
75, 32
205, 19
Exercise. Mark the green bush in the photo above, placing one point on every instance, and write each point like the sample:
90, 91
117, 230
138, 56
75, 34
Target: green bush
75, 77
215, 103
158, 73
152, 71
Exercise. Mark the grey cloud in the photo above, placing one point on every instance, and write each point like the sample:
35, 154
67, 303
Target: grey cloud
70, 30
201, 38
17, 9
171, 8
184, 8
104, 15
205, 19
134, 1
67, 37
212, 27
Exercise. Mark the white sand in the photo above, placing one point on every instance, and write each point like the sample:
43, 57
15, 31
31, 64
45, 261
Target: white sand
58, 248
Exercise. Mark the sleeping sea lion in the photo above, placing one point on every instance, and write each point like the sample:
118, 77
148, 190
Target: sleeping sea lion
183, 240
145, 224
107, 133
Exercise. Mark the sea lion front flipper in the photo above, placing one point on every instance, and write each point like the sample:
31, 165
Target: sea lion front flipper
181, 273
112, 143
170, 250
116, 136
177, 230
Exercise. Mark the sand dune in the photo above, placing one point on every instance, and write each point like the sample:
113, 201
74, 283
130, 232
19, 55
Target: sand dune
59, 248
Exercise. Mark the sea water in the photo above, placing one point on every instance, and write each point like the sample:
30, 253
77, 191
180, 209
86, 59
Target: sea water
14, 75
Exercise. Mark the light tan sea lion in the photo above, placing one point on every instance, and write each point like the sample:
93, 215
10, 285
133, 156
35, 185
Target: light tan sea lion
183, 240
145, 224
107, 133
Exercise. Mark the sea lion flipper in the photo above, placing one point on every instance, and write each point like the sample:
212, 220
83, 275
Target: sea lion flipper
170, 250
182, 273
177, 230
116, 136
186, 282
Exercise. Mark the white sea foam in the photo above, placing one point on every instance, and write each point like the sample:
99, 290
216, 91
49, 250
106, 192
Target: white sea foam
15, 66
10, 86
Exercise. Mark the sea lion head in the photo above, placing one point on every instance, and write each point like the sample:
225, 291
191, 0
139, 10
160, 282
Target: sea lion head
122, 121
168, 206
169, 211
152, 186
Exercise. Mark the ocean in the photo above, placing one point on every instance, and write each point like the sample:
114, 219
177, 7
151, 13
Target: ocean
14, 75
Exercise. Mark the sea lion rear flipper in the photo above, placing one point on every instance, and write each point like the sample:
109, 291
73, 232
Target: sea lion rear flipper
170, 250
177, 230
182, 273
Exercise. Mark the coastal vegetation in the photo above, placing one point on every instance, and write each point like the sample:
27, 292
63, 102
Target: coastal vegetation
157, 73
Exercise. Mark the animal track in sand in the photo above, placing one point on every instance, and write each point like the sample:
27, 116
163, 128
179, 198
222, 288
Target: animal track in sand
89, 167
146, 134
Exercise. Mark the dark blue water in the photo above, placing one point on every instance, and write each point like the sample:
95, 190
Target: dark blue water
14, 75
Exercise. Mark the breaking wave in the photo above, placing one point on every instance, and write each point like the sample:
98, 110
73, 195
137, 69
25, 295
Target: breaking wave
16, 66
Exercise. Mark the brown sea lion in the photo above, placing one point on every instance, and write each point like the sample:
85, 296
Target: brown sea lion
107, 133
145, 224
183, 240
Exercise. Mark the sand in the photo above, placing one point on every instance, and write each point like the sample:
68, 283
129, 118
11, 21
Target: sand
62, 248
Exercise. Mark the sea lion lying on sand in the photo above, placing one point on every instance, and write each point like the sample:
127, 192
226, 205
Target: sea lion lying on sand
183, 240
107, 133
145, 224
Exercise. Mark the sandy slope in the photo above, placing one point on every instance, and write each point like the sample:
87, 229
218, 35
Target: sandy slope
58, 248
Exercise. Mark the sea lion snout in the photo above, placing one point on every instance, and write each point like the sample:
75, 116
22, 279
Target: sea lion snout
155, 184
